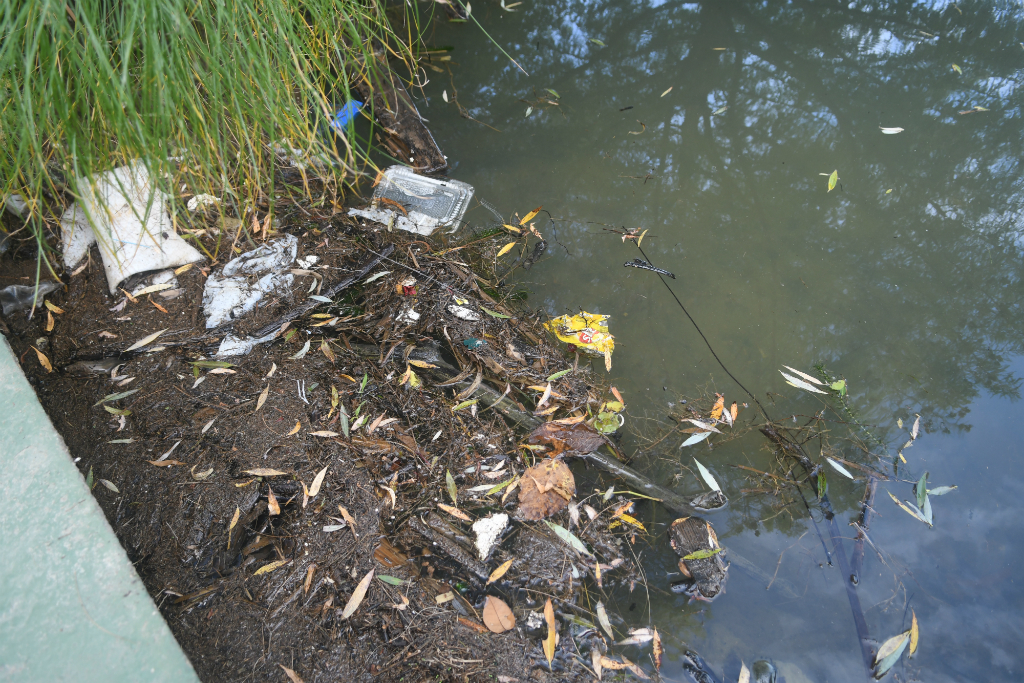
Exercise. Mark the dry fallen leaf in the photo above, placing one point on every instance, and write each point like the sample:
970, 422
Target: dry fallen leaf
551, 640
455, 512
296, 428
595, 659
357, 595
292, 676
350, 519
146, 340
263, 397
578, 437
49, 322
613, 664
499, 572
497, 616
317, 482
43, 360
545, 489
264, 472
272, 504
309, 578
658, 650
716, 412
165, 463
234, 521
267, 568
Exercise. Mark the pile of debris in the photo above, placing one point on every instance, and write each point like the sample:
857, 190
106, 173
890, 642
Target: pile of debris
344, 450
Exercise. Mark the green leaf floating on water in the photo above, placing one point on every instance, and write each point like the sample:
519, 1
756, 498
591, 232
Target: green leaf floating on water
822, 485
703, 554
606, 422
941, 490
832, 180
921, 490
839, 386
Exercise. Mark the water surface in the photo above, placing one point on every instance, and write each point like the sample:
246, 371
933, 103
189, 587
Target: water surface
906, 279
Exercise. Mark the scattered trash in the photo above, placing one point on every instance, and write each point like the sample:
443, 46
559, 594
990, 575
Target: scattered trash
585, 331
488, 530
201, 200
245, 280
124, 213
16, 204
345, 116
15, 298
419, 204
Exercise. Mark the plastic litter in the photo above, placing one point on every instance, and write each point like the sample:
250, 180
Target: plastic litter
345, 116
16, 204
18, 297
245, 280
587, 332
488, 530
427, 203
202, 200
125, 214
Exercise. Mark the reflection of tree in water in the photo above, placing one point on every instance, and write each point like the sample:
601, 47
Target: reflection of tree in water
807, 84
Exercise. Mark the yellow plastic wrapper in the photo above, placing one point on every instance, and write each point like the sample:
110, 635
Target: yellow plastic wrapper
587, 332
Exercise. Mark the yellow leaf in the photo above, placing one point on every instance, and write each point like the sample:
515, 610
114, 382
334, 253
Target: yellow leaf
43, 360
421, 364
53, 308
641, 240
234, 521
957, 69
507, 248
632, 520
529, 216
914, 634
183, 269
499, 572
267, 568
326, 349
716, 412
550, 642
832, 180
296, 428
357, 596
512, 228
49, 321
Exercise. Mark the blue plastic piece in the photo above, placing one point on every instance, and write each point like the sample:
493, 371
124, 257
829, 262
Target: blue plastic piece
346, 115
473, 343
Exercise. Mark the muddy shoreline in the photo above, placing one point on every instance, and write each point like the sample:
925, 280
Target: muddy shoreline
247, 591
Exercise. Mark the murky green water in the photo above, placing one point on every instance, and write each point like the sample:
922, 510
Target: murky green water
906, 279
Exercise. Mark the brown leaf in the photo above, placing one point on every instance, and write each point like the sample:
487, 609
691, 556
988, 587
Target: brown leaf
49, 321
545, 489
292, 676
309, 578
43, 360
357, 595
296, 428
551, 640
497, 616
613, 664
475, 625
165, 463
272, 504
263, 397
595, 658
234, 521
455, 512
734, 411
350, 519
658, 650
579, 437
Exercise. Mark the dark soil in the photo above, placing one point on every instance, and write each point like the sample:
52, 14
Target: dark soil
175, 521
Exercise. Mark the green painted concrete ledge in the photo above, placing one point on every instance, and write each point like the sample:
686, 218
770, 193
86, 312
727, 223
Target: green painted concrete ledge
72, 607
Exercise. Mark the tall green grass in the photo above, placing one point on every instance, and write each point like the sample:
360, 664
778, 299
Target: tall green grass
201, 90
